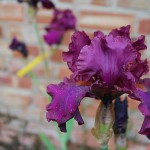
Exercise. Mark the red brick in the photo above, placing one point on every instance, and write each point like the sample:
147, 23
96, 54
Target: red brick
15, 31
24, 82
105, 21
17, 54
33, 50
5, 80
67, 38
2, 63
144, 26
66, 1
27, 140
92, 108
40, 101
148, 147
133, 104
16, 64
1, 32
17, 101
64, 72
101, 2
44, 16
144, 4
11, 12
32, 114
57, 57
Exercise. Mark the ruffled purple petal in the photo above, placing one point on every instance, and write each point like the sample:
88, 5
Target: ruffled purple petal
78, 41
144, 96
145, 101
47, 4
53, 37
63, 20
145, 129
139, 68
123, 31
105, 58
66, 98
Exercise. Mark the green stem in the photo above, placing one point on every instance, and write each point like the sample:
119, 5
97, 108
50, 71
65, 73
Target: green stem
64, 147
121, 148
104, 147
121, 141
36, 81
40, 41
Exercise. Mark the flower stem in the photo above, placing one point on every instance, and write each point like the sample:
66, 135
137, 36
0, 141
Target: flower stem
36, 81
105, 147
121, 142
40, 41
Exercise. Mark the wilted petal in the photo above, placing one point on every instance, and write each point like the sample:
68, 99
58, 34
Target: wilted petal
121, 115
145, 129
78, 41
66, 98
19, 46
53, 37
47, 4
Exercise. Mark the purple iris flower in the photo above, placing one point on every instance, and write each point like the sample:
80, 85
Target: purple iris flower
18, 46
62, 21
53, 37
103, 67
34, 3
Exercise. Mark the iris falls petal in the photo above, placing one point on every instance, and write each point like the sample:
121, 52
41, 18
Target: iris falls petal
66, 98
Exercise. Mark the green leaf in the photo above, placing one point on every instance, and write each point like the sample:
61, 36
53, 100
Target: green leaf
46, 142
64, 137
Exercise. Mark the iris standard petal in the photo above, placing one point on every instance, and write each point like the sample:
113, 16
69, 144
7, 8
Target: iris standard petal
78, 41
105, 57
123, 31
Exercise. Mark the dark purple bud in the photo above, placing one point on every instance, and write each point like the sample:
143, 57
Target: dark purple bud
47, 4
18, 46
121, 116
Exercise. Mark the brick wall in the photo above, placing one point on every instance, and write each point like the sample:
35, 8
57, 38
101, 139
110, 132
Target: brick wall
21, 102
